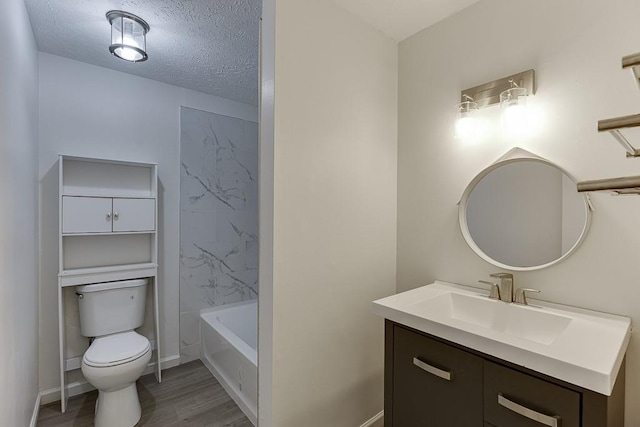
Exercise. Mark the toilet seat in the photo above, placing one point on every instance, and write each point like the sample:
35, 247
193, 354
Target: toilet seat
116, 349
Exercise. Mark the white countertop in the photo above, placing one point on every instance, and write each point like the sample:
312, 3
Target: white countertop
585, 349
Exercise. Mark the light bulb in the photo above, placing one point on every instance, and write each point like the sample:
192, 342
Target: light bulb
128, 54
514, 120
466, 127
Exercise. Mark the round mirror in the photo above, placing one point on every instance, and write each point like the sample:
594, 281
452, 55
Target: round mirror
523, 213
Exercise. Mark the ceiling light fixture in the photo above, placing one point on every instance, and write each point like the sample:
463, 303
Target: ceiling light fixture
128, 36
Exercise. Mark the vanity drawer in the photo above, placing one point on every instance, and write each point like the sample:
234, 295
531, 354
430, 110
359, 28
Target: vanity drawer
515, 399
434, 384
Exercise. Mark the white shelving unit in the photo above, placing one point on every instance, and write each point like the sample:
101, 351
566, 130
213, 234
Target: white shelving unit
108, 212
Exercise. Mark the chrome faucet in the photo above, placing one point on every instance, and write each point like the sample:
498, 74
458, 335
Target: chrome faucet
506, 286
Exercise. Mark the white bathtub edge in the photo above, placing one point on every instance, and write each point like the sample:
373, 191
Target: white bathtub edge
231, 390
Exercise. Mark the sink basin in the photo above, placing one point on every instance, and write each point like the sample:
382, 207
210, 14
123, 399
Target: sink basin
579, 346
522, 321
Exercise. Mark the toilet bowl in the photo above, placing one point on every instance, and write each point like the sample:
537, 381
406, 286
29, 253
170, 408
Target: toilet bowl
109, 313
112, 364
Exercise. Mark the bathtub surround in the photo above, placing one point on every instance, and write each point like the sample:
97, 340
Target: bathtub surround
79, 103
18, 216
575, 48
218, 217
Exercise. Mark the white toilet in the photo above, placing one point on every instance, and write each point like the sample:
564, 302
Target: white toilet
109, 313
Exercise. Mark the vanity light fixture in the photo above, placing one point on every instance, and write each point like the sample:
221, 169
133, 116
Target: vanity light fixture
128, 36
513, 102
466, 122
511, 92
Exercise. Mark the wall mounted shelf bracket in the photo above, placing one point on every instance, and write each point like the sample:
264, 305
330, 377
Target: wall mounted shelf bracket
633, 62
614, 126
629, 185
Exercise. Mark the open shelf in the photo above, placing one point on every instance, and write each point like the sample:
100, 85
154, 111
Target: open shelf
110, 233
629, 185
102, 178
616, 124
83, 276
109, 269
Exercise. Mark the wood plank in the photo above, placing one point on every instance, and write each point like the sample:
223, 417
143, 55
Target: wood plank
188, 396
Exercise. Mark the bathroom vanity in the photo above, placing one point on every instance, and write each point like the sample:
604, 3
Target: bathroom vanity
453, 357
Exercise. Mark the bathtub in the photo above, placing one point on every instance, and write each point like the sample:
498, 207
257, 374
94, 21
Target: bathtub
229, 337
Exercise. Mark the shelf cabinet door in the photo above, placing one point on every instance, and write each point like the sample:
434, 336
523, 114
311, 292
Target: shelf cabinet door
133, 215
86, 214
515, 399
434, 384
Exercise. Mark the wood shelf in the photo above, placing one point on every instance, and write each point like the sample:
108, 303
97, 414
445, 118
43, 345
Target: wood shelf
109, 233
111, 195
100, 270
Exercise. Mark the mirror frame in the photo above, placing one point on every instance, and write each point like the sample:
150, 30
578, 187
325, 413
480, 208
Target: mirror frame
513, 156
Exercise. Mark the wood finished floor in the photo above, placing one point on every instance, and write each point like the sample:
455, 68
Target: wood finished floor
188, 396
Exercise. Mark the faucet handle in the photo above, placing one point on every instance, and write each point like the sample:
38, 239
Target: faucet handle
495, 289
502, 275
521, 295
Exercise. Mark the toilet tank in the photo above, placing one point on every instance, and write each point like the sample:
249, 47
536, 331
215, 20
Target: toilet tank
111, 307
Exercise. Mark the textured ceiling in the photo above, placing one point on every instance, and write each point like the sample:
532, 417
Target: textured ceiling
206, 45
400, 19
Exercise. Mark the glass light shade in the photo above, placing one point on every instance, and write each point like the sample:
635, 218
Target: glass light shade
128, 36
515, 120
466, 122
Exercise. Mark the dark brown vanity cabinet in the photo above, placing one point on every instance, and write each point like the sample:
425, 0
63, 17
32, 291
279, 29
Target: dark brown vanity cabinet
512, 398
433, 383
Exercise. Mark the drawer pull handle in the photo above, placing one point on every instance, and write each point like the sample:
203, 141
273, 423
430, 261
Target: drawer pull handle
445, 375
551, 421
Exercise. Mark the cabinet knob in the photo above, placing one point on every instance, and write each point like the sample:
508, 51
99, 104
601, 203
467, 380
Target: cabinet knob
108, 216
116, 215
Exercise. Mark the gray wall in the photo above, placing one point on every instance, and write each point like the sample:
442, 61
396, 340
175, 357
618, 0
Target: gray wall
18, 216
218, 217
575, 48
333, 231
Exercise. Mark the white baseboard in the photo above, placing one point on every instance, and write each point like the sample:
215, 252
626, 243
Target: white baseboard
373, 420
36, 411
80, 387
167, 362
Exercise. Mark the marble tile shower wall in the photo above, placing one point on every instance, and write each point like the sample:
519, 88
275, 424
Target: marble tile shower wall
218, 217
